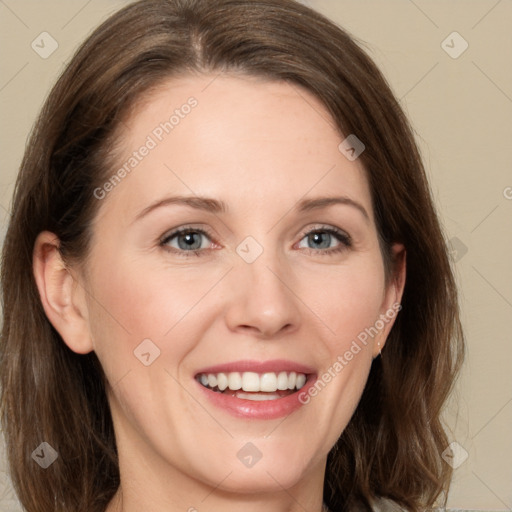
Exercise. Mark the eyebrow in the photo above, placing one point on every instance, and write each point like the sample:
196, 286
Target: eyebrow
323, 202
215, 206
199, 203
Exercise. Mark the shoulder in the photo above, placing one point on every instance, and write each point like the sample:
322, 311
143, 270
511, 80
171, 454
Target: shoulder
381, 505
386, 505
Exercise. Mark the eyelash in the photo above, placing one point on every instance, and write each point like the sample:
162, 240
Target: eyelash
340, 236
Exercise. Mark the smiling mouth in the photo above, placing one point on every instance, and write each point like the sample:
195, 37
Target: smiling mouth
254, 386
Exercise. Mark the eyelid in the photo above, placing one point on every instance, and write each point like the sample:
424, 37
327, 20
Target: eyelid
184, 229
189, 228
327, 228
342, 236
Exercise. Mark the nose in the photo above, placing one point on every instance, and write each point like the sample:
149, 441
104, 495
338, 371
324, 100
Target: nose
261, 299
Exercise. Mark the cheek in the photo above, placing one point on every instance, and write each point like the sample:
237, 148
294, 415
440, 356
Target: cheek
347, 299
148, 301
133, 302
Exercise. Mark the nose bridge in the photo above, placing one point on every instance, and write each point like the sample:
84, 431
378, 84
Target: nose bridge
263, 301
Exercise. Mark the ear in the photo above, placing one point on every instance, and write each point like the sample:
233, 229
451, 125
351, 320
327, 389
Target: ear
62, 297
392, 297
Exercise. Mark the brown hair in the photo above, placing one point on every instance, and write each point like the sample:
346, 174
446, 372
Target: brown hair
392, 445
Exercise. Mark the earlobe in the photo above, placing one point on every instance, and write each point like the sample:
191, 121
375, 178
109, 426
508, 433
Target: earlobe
61, 295
392, 298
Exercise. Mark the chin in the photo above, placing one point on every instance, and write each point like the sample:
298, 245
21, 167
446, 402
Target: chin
262, 466
261, 480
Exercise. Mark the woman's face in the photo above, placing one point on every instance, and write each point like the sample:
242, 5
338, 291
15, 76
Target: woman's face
277, 270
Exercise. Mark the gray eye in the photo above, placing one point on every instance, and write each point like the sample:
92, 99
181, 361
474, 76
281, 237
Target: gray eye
187, 240
321, 240
318, 240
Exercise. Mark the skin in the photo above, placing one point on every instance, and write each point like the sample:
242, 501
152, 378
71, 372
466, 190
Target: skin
261, 147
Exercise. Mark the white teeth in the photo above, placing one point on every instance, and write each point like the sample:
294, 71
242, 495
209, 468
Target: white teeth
234, 381
282, 381
212, 380
252, 382
256, 397
222, 381
301, 380
268, 382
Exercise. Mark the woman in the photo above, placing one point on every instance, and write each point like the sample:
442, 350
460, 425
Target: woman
224, 280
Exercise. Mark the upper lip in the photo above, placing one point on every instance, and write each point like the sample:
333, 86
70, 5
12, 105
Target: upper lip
274, 365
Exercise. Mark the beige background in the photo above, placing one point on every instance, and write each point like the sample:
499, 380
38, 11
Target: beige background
461, 109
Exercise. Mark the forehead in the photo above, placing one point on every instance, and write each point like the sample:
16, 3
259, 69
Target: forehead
242, 139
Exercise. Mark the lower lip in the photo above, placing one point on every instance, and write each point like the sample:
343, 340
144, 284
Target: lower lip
261, 410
